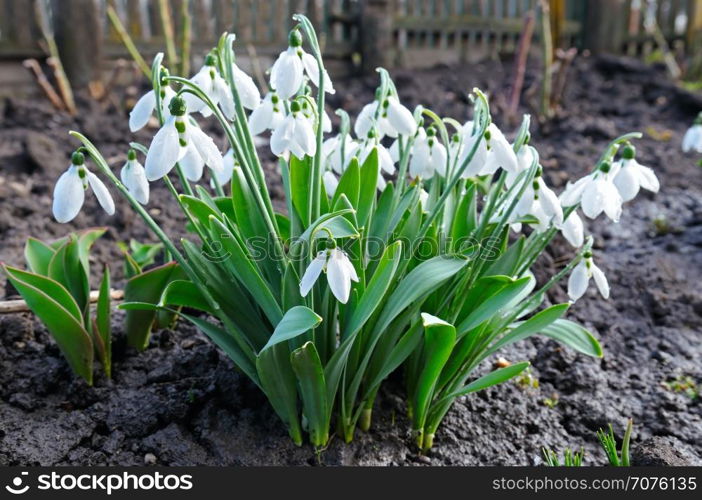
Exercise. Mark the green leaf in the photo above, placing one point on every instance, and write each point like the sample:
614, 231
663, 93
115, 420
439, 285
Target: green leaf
300, 171
381, 216
198, 209
369, 182
493, 378
183, 293
248, 216
38, 255
349, 184
146, 287
102, 332
574, 336
334, 221
85, 242
298, 320
492, 303
310, 376
144, 254
529, 327
439, 339
465, 219
54, 306
508, 263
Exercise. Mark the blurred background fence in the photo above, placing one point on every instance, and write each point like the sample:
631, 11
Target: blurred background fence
355, 33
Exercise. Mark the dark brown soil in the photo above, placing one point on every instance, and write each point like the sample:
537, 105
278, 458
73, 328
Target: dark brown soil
182, 402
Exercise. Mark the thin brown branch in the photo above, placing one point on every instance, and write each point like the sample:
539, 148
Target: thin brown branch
33, 66
19, 305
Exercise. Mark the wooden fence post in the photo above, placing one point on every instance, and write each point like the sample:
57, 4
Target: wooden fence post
376, 25
78, 33
605, 21
694, 39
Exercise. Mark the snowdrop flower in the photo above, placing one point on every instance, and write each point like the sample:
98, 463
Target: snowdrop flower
525, 159
330, 182
500, 152
580, 278
596, 193
541, 202
145, 106
692, 141
340, 274
338, 152
632, 176
294, 135
246, 88
385, 161
268, 115
216, 88
477, 163
180, 139
572, 230
312, 117
229, 162
134, 178
288, 71
428, 155
69, 192
393, 119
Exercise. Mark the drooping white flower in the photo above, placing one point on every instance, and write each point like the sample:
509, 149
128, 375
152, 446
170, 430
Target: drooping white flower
580, 278
428, 155
572, 230
632, 176
134, 178
143, 109
340, 273
268, 115
180, 139
216, 88
500, 152
469, 140
246, 88
288, 71
391, 120
692, 141
596, 192
541, 202
294, 135
229, 162
69, 192
338, 152
399, 116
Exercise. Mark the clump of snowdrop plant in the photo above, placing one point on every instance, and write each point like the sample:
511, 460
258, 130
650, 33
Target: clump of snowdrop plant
406, 242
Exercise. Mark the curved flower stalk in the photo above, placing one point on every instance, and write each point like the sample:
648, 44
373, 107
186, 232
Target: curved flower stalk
424, 274
69, 192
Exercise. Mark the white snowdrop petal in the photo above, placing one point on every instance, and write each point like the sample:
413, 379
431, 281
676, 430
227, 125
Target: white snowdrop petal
164, 151
261, 118
142, 111
312, 273
69, 195
364, 120
192, 164
439, 159
593, 198
573, 192
385, 160
612, 200
577, 282
304, 136
282, 135
207, 148
246, 88
600, 280
627, 183
330, 183
338, 276
101, 193
648, 179
400, 117
287, 73
573, 230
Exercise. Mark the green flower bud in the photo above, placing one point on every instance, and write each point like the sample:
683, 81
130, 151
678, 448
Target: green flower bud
77, 158
629, 152
177, 106
211, 59
131, 155
295, 38
605, 167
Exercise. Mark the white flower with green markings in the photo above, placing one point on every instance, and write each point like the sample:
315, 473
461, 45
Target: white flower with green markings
580, 279
69, 192
133, 176
340, 273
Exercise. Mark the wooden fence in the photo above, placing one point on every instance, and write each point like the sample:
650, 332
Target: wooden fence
419, 32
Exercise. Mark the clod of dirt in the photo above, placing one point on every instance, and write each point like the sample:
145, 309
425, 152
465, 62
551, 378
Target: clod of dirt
658, 451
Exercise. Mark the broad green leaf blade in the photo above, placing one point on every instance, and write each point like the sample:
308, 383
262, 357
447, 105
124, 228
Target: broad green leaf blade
46, 299
493, 304
48, 286
439, 339
76, 275
85, 242
198, 209
38, 255
146, 287
279, 383
298, 320
349, 184
144, 254
508, 263
102, 333
383, 214
400, 352
369, 182
327, 220
574, 336
183, 293
493, 378
300, 172
310, 376
533, 325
